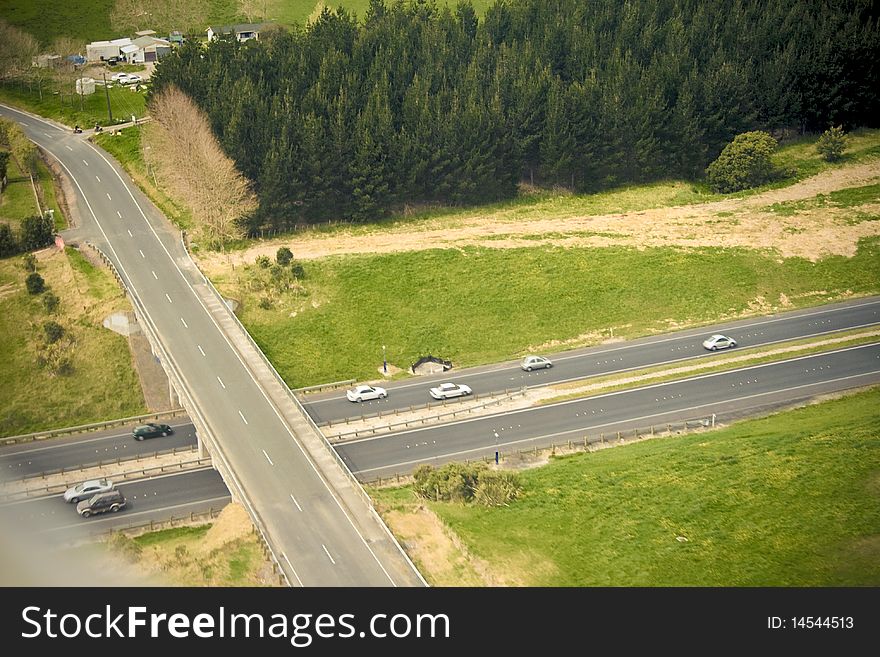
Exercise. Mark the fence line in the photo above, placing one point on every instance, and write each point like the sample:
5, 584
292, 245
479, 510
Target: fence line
153, 525
94, 426
586, 444
325, 386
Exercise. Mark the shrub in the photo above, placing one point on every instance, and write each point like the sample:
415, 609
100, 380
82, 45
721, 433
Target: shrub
297, 270
453, 482
744, 163
51, 301
265, 303
263, 261
34, 283
53, 331
497, 488
832, 144
29, 262
283, 256
36, 232
125, 546
8, 243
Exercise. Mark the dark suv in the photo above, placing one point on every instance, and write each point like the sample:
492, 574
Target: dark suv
151, 430
101, 503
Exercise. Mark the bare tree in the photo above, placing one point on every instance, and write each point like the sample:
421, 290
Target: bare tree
187, 159
67, 71
17, 51
252, 9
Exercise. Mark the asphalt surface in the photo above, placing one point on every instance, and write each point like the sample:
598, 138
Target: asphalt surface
636, 354
33, 458
156, 499
315, 539
697, 397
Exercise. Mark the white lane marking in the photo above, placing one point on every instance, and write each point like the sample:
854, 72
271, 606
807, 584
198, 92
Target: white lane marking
635, 419
97, 178
202, 351
47, 134
247, 371
129, 234
142, 253
183, 321
68, 148
154, 274
221, 382
243, 417
299, 581
327, 552
295, 502
266, 455
629, 390
64, 444
169, 298
119, 214
86, 163
109, 197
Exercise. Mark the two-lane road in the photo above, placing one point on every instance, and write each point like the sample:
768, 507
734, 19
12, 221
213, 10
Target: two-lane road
651, 351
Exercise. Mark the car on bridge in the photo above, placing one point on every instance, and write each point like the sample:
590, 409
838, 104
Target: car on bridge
111, 501
530, 363
366, 393
151, 430
719, 341
87, 489
449, 390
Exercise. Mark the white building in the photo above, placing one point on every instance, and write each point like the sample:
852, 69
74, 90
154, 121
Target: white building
241, 31
101, 51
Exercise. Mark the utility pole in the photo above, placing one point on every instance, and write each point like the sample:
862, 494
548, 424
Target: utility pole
107, 93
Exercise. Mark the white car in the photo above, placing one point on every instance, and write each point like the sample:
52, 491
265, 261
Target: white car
447, 390
719, 341
87, 489
129, 78
530, 363
365, 393
116, 77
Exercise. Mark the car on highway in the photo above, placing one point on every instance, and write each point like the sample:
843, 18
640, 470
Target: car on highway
449, 390
365, 393
718, 341
151, 430
87, 489
110, 501
530, 363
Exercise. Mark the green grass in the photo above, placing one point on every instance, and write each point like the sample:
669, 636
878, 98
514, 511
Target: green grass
483, 305
123, 102
17, 200
788, 500
126, 148
103, 384
173, 534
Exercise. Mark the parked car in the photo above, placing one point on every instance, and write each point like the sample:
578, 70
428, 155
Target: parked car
365, 393
151, 430
447, 390
110, 501
530, 363
87, 489
116, 77
719, 341
129, 78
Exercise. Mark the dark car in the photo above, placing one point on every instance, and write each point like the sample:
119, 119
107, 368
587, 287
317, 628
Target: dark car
151, 430
101, 503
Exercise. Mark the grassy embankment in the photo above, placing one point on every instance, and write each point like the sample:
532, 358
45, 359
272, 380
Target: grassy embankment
788, 500
102, 384
17, 200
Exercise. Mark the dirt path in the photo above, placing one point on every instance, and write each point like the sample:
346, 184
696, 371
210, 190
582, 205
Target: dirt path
740, 222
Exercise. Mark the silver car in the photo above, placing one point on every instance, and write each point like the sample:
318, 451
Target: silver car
447, 390
530, 363
365, 393
718, 341
87, 489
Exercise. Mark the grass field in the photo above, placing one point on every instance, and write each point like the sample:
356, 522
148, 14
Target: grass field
481, 305
788, 500
103, 384
17, 200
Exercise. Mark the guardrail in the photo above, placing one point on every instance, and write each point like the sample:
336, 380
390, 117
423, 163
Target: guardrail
406, 423
324, 386
154, 525
100, 464
94, 426
587, 444
52, 489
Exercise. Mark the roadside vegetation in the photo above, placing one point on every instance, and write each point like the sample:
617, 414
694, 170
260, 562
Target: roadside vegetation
788, 500
60, 365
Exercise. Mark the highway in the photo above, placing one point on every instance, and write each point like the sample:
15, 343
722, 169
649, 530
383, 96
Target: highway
313, 534
754, 387
17, 461
157, 499
663, 349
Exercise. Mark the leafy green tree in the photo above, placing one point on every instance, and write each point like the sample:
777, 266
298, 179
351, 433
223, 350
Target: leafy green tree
283, 256
36, 232
832, 144
8, 243
744, 163
34, 283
